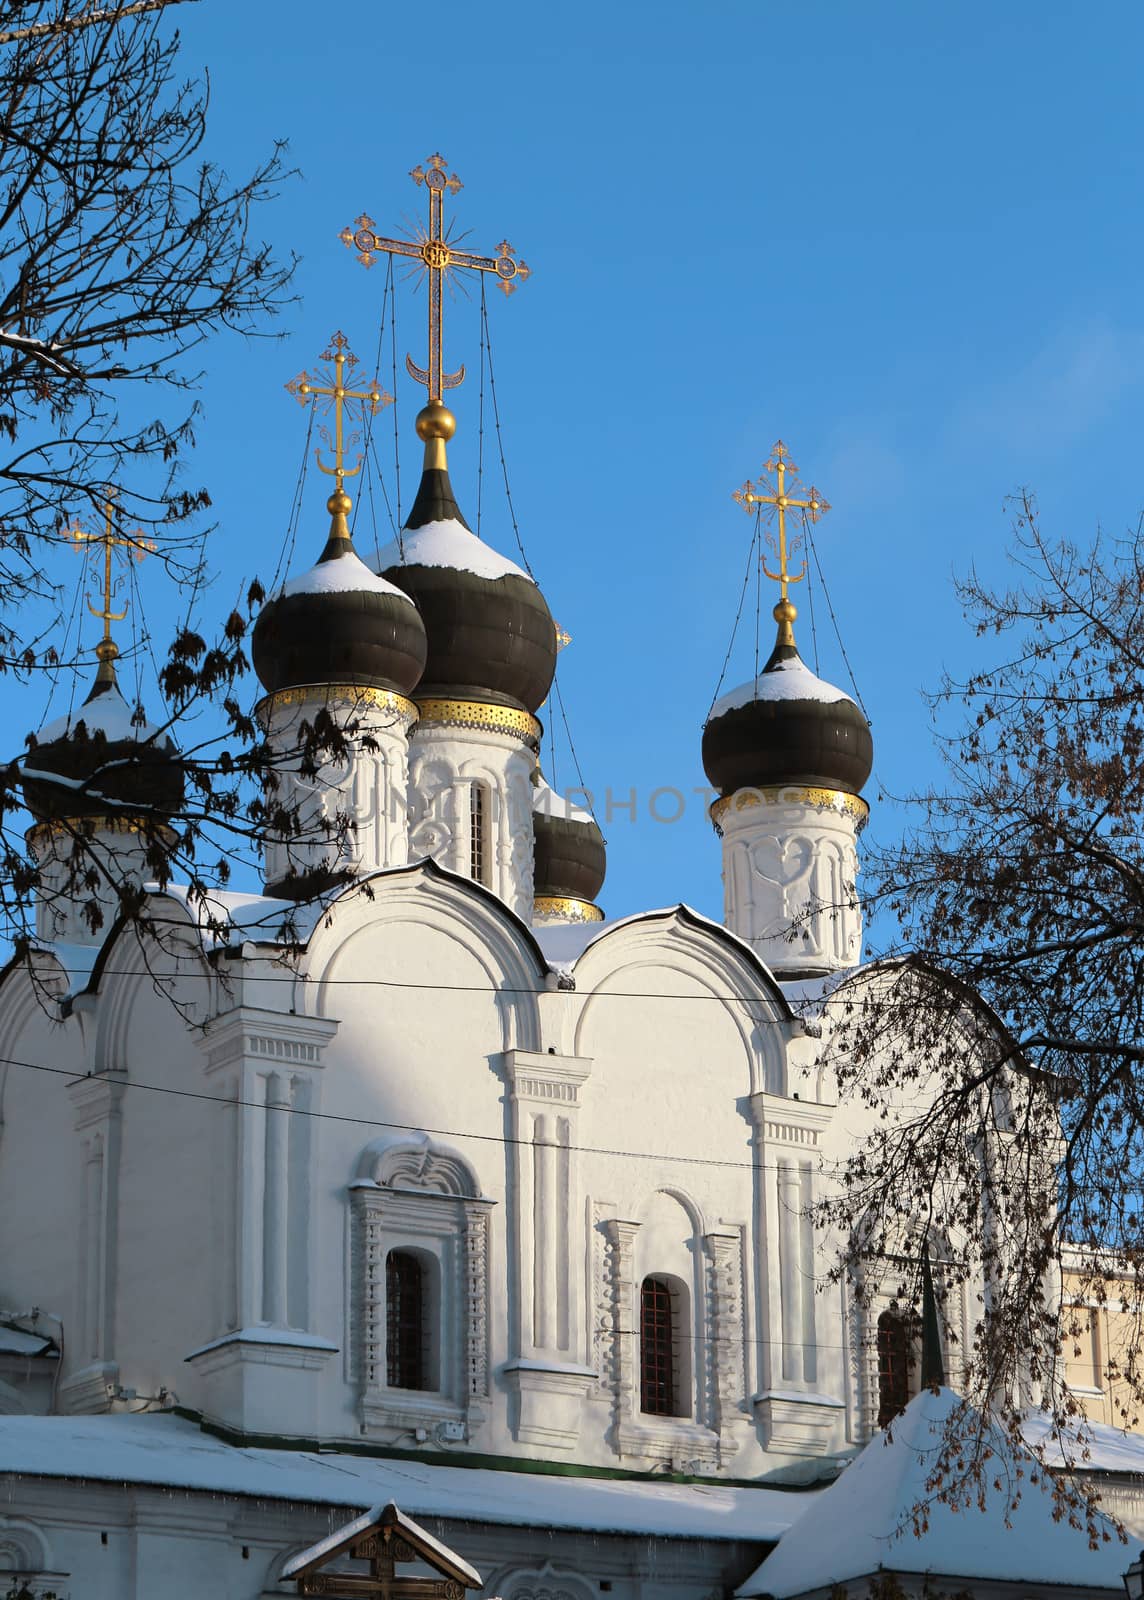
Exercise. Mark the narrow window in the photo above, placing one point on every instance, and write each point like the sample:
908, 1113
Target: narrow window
478, 835
659, 1336
894, 1361
405, 1322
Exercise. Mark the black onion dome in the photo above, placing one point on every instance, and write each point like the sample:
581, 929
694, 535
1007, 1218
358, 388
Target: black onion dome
491, 635
339, 623
113, 765
569, 860
787, 726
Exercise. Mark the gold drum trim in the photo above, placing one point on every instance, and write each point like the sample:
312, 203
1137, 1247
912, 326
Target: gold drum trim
88, 827
359, 695
793, 794
566, 906
479, 714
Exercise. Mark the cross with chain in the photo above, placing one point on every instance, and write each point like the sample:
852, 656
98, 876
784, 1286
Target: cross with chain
432, 249
133, 543
782, 497
333, 387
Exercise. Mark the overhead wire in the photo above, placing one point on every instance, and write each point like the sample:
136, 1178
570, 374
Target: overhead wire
738, 614
834, 620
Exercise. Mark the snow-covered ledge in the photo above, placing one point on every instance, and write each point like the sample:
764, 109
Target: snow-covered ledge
796, 1423
251, 1370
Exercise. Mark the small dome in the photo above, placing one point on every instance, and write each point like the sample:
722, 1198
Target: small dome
339, 623
109, 761
787, 726
491, 635
568, 848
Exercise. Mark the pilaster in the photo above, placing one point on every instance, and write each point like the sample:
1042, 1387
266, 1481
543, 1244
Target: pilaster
796, 1417
549, 1375
99, 1124
267, 1069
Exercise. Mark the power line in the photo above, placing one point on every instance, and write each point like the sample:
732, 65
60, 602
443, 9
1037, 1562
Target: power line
502, 1139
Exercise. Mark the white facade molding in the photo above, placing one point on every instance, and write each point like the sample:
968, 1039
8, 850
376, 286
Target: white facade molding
451, 1235
351, 815
790, 869
449, 765
550, 1374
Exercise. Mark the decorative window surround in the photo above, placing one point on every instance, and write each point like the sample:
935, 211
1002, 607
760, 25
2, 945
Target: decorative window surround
686, 1444
725, 1334
445, 1218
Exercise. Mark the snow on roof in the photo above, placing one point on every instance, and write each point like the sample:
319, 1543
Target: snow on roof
260, 918
787, 680
861, 1523
342, 575
175, 1453
19, 1342
1095, 1448
108, 714
448, 544
549, 803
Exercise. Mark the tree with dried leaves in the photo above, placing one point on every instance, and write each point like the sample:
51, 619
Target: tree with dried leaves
122, 250
998, 1046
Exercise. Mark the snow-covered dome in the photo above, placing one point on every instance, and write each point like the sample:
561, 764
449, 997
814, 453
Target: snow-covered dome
103, 759
339, 623
490, 632
568, 848
787, 726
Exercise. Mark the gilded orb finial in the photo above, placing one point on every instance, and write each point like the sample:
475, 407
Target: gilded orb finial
436, 425
780, 496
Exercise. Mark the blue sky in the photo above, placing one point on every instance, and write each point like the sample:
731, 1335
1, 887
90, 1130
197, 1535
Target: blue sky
904, 237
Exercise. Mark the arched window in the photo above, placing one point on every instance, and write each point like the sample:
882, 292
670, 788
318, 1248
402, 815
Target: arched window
478, 834
663, 1389
895, 1358
406, 1322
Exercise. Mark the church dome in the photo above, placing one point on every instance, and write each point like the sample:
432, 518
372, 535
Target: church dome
787, 726
109, 761
491, 635
568, 848
339, 623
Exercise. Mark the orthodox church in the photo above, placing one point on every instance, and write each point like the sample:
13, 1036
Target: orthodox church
384, 1184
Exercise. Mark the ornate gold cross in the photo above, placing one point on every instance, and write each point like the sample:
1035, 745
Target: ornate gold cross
436, 256
134, 543
782, 497
333, 387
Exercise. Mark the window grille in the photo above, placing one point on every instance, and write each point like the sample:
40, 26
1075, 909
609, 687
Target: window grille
405, 1322
895, 1350
478, 835
657, 1349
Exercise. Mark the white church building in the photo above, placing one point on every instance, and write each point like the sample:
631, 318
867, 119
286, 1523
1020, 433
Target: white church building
412, 1178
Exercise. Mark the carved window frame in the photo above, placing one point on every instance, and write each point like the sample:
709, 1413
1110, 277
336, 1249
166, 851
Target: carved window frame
421, 1198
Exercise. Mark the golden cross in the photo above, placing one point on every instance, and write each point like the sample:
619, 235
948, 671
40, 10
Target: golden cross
133, 543
346, 369
437, 256
782, 497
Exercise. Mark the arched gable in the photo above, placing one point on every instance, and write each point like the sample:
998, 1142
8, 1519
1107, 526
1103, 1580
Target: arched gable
467, 915
633, 956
